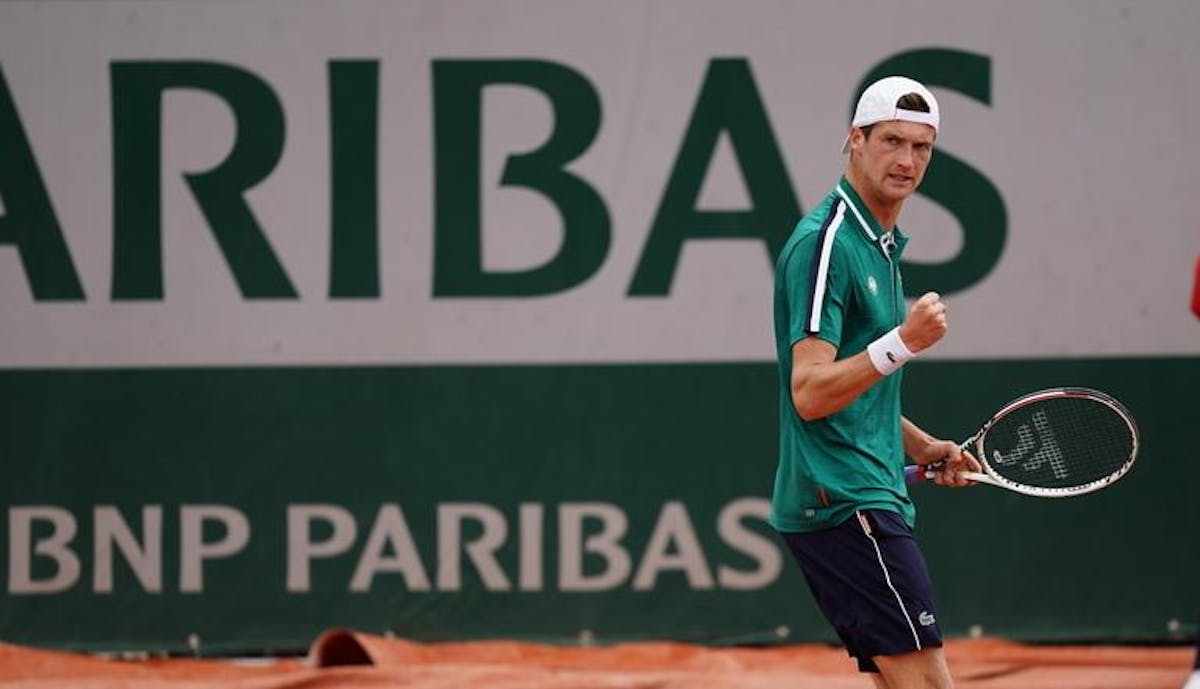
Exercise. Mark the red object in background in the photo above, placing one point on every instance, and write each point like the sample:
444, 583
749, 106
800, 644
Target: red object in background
1196, 291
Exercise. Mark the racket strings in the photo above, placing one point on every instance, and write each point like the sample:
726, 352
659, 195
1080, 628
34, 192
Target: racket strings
1059, 442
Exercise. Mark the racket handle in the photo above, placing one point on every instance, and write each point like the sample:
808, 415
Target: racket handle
914, 474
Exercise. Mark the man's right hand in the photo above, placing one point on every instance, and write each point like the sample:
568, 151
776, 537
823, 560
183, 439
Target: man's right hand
925, 324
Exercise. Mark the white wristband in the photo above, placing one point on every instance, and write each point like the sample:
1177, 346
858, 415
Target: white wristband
889, 352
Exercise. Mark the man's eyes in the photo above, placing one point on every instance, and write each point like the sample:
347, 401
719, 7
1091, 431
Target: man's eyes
922, 146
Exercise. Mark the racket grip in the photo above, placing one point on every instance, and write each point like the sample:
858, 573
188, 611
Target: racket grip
914, 474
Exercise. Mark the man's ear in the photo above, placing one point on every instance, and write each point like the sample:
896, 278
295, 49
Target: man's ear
857, 138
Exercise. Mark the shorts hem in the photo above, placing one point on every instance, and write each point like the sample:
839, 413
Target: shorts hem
866, 661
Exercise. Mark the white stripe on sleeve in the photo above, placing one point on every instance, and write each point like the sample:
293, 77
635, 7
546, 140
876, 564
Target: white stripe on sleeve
818, 296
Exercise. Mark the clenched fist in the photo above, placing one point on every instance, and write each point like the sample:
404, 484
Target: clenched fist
925, 324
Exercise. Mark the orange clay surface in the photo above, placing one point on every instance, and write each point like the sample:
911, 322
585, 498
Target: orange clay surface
342, 658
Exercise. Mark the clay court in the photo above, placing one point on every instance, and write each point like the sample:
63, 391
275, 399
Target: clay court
346, 659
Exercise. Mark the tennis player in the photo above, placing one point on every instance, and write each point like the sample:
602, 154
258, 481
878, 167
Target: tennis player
842, 334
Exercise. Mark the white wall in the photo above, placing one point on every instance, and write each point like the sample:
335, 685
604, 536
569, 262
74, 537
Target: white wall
1089, 139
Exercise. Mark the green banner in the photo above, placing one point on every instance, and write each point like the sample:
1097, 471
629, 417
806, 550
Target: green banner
250, 509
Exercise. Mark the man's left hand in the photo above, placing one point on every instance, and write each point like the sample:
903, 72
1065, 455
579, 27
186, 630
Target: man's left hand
953, 462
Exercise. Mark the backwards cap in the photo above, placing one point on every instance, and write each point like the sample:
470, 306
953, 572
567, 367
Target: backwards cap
878, 104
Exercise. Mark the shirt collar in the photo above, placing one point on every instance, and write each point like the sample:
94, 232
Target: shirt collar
867, 222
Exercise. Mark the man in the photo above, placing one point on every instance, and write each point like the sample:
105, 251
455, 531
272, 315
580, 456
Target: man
842, 336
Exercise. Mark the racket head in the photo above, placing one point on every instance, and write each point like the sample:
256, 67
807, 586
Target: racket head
1058, 442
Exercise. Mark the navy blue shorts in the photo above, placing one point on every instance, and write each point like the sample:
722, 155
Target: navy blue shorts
870, 580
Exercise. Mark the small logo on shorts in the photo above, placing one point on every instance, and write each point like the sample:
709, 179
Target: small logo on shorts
872, 285
925, 618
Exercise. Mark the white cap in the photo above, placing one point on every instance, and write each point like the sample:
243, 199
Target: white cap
878, 104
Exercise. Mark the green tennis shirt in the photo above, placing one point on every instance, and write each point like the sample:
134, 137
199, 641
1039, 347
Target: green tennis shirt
836, 280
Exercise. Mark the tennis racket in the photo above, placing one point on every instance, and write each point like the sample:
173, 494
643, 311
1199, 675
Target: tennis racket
1054, 443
